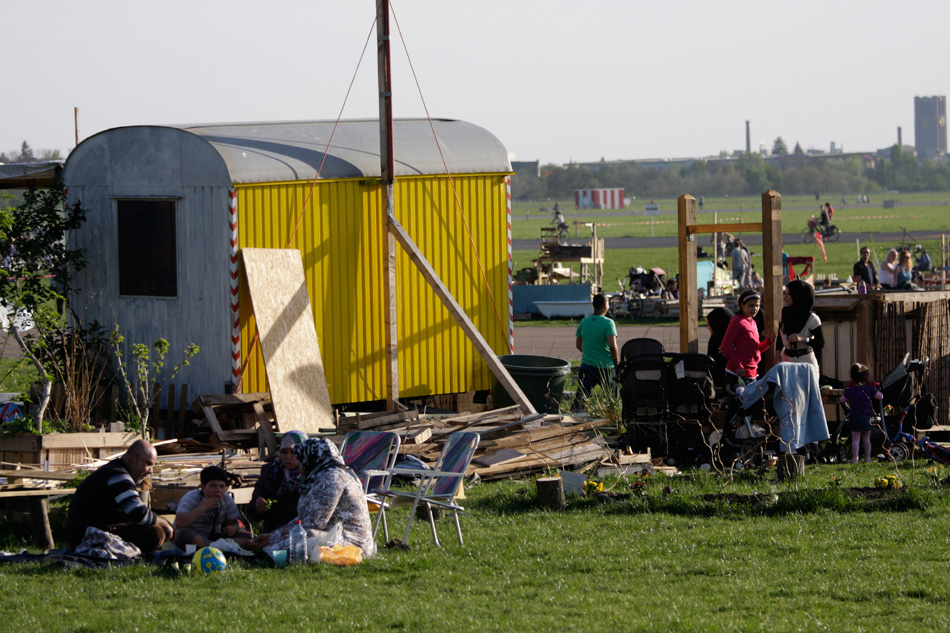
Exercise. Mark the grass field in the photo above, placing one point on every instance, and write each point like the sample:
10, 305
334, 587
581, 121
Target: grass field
812, 560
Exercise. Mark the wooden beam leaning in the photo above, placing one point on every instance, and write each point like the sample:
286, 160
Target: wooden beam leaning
771, 267
488, 355
689, 294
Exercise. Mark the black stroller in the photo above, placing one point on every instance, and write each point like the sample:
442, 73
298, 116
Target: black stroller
666, 400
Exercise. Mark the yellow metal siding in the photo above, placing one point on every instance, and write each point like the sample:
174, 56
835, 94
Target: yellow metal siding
340, 238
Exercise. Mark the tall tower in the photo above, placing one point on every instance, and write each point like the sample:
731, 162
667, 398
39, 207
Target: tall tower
748, 139
930, 126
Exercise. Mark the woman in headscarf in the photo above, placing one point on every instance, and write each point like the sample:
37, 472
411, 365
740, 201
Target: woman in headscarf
330, 493
800, 337
717, 321
276, 494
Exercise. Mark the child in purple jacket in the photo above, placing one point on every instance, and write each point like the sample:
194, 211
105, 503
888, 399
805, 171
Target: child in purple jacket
860, 396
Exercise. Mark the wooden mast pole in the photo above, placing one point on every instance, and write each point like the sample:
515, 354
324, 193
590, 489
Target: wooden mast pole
387, 173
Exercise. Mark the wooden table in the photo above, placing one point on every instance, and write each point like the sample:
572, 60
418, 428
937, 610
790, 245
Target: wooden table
38, 497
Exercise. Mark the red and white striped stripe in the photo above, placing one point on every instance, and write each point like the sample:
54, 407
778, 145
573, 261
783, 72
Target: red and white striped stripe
511, 276
611, 198
235, 292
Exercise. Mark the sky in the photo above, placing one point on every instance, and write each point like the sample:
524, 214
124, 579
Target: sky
554, 80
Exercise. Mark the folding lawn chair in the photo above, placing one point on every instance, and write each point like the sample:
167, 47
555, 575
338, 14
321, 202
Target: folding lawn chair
371, 455
438, 487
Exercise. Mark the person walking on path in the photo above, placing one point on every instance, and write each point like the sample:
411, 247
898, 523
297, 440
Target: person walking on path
597, 341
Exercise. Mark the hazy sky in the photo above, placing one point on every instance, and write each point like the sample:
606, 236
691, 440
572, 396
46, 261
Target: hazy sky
554, 80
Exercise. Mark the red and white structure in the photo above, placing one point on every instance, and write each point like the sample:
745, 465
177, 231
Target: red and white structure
599, 198
235, 292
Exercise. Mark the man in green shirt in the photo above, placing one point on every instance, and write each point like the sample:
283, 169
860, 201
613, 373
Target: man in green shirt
597, 342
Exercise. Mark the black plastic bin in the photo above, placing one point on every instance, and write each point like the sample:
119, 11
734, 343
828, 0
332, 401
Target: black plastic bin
541, 378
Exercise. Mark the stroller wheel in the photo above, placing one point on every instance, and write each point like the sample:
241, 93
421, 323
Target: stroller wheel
900, 452
751, 454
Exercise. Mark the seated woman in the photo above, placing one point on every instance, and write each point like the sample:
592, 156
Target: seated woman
276, 494
330, 493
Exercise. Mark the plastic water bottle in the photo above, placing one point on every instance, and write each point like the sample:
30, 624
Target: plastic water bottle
297, 553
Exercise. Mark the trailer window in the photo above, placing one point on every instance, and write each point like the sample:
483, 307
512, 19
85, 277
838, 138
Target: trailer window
148, 256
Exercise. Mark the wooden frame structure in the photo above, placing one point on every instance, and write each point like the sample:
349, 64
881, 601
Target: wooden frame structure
771, 228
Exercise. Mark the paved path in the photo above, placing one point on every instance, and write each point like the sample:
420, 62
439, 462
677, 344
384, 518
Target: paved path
558, 341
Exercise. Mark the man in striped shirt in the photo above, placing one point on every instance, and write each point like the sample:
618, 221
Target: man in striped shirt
107, 499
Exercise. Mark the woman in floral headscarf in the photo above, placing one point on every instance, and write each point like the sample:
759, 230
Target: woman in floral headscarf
276, 494
330, 493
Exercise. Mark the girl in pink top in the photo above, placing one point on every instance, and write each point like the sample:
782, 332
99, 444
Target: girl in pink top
741, 344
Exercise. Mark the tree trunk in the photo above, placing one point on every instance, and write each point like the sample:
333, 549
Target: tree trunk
790, 467
47, 384
551, 493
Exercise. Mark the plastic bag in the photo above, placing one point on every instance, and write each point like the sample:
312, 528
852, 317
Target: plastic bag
341, 555
317, 540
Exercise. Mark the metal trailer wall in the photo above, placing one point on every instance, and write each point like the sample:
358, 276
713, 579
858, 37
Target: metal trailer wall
340, 237
157, 163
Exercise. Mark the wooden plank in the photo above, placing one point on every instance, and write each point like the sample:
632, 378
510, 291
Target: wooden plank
372, 423
497, 458
52, 475
182, 408
541, 434
463, 320
267, 429
724, 227
212, 420
288, 339
420, 436
170, 412
38, 492
156, 401
230, 399
87, 440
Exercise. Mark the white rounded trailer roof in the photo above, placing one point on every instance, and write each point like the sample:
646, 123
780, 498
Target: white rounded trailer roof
292, 151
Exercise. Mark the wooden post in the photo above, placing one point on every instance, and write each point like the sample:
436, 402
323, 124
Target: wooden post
39, 512
387, 174
689, 326
551, 493
772, 269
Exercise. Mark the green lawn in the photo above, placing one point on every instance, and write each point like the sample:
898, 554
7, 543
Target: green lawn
663, 562
917, 212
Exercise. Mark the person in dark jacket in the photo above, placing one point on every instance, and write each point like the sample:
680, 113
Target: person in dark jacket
717, 321
800, 337
108, 500
276, 493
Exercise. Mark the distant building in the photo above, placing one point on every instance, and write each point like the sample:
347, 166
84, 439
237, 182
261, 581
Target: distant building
607, 198
529, 170
930, 126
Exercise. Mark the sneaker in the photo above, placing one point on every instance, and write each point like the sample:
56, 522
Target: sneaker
854, 461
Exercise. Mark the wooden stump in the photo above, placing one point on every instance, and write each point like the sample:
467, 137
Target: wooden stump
551, 493
790, 467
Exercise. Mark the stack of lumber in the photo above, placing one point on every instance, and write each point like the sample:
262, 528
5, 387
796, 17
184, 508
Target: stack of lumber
511, 445
243, 414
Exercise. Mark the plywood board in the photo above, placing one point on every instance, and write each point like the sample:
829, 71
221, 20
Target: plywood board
295, 376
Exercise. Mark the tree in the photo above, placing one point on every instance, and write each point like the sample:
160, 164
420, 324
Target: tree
37, 267
779, 148
798, 149
26, 154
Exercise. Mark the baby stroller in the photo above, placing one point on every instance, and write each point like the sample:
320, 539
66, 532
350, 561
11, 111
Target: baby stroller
690, 394
902, 389
643, 374
793, 417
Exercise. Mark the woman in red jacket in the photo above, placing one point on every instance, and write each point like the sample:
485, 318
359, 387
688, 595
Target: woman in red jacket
741, 344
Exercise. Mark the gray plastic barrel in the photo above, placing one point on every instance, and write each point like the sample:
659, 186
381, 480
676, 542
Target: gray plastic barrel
541, 378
